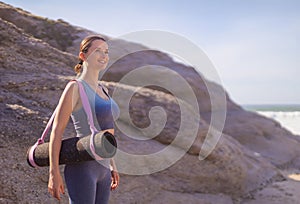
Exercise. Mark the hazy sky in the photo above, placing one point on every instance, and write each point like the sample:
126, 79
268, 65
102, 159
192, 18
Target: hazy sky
254, 44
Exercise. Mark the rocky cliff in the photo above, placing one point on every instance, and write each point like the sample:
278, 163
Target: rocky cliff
36, 59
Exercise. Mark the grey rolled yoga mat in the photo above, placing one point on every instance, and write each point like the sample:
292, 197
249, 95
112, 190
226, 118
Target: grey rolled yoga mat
75, 149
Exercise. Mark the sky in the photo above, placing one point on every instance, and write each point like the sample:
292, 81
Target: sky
254, 45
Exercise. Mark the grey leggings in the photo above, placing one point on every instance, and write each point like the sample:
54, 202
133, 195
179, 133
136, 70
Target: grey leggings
88, 182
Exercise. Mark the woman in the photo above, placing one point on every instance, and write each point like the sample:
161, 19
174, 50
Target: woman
91, 181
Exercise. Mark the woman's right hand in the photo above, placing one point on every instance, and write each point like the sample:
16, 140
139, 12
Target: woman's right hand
56, 185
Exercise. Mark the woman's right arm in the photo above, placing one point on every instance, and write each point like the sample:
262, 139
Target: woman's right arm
67, 102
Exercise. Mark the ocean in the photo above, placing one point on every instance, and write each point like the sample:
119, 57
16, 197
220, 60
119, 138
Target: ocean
287, 115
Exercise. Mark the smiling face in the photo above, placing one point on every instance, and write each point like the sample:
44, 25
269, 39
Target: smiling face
97, 54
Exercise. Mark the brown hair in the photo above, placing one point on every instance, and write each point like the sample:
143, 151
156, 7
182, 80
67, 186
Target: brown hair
85, 44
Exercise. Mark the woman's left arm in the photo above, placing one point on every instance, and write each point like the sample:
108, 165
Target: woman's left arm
115, 178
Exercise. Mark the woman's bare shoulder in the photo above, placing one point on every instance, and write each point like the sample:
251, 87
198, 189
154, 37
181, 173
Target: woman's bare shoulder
72, 85
72, 93
71, 89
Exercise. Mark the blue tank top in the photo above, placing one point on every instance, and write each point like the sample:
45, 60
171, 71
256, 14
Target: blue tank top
104, 112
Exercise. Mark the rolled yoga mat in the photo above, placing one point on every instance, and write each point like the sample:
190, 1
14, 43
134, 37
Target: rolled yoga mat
75, 149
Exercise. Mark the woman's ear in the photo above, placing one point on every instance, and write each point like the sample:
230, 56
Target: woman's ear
82, 56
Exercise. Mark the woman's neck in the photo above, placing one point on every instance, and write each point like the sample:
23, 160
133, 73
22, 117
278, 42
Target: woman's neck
90, 76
